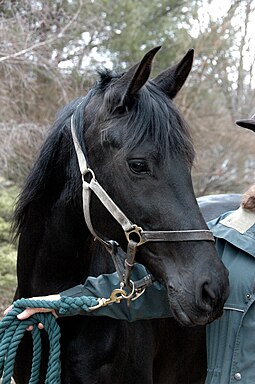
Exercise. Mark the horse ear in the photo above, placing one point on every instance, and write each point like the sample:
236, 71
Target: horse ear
247, 123
172, 79
135, 78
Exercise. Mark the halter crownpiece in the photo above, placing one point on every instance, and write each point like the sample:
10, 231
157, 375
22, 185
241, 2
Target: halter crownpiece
135, 235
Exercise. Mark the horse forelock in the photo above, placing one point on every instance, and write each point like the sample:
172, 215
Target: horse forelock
153, 117
106, 77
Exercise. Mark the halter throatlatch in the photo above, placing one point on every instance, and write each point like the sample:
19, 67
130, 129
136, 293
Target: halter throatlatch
135, 235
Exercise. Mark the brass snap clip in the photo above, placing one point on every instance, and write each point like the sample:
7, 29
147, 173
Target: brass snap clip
116, 296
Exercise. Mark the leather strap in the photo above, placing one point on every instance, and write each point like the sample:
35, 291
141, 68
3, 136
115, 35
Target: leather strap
129, 261
188, 235
119, 256
109, 204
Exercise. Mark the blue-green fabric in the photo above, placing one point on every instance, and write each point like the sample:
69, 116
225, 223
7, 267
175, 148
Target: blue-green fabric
152, 304
231, 339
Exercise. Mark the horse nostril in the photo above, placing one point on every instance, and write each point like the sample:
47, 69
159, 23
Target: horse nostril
207, 292
207, 296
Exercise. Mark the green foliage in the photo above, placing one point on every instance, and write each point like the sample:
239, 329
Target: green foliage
7, 266
138, 26
4, 230
7, 200
7, 248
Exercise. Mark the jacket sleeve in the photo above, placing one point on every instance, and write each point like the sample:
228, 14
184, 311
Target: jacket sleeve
152, 304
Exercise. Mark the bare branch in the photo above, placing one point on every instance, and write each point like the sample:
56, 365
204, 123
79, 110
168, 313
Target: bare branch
46, 42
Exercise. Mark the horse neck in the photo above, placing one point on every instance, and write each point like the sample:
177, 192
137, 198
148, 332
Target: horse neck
56, 250
100, 259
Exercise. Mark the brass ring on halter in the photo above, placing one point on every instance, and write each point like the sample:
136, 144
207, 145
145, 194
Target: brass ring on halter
126, 295
137, 231
85, 173
138, 294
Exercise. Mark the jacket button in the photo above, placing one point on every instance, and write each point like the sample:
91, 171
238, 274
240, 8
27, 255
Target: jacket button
238, 376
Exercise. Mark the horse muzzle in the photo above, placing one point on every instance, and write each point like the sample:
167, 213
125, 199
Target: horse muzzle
200, 308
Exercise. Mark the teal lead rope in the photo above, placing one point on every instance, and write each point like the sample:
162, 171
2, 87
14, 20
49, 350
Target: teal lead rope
12, 330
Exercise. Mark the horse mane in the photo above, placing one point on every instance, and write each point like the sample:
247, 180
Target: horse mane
43, 172
153, 116
159, 119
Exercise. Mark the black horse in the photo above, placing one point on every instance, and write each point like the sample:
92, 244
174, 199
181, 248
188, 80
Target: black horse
140, 150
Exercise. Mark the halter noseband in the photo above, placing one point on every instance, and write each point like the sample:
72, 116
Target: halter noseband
135, 235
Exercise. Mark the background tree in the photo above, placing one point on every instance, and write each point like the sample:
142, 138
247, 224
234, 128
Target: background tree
50, 51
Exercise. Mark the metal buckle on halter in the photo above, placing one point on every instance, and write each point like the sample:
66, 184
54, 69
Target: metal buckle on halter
128, 296
85, 173
135, 232
135, 293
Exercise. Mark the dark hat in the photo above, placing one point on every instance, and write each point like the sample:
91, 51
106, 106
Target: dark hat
247, 123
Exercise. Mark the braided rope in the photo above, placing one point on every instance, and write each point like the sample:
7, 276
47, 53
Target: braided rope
12, 331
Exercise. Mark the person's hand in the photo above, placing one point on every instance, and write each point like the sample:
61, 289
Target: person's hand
30, 311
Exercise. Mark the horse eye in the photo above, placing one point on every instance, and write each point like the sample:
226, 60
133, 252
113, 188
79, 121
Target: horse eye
138, 166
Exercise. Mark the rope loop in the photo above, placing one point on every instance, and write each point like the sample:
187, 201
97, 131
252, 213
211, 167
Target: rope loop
12, 331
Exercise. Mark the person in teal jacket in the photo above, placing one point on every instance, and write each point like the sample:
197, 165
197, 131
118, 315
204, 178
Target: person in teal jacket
231, 339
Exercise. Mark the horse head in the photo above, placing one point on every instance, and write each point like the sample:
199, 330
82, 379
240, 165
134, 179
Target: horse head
140, 151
